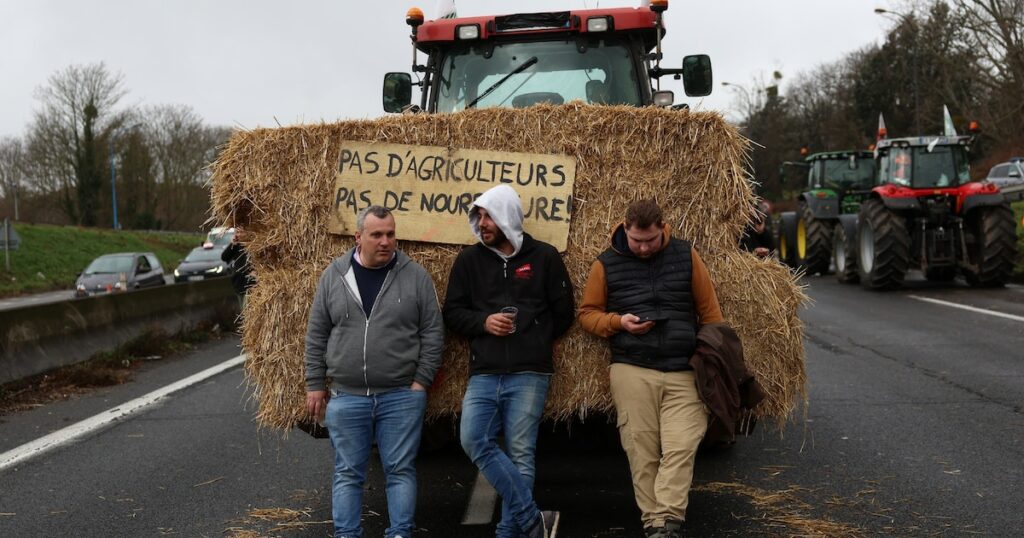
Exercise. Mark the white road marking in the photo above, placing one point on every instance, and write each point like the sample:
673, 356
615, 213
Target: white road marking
970, 308
481, 502
66, 435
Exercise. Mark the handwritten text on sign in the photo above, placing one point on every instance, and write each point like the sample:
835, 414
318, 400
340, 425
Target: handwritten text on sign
430, 189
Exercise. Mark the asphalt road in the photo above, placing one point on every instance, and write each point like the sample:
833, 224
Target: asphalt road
914, 428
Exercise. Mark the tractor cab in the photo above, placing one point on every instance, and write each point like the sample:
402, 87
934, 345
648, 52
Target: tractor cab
926, 162
841, 170
597, 56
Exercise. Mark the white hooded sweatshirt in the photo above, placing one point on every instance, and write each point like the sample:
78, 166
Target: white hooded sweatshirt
503, 205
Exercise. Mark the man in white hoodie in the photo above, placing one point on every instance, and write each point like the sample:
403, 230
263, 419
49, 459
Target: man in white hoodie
510, 358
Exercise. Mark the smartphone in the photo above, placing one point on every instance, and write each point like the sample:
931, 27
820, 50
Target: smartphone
649, 317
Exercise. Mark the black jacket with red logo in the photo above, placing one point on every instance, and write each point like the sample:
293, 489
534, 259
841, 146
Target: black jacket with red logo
535, 281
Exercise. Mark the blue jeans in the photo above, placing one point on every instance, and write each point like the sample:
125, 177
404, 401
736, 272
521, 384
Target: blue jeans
395, 418
512, 403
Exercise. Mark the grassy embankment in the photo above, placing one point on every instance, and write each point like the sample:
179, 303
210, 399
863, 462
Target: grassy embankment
50, 257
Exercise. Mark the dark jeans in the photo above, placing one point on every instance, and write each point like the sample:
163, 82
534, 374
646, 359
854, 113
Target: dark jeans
511, 404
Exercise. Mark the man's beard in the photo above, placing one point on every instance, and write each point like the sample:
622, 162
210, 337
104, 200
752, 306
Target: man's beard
499, 238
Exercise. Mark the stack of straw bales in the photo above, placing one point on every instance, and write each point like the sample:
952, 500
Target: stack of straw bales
279, 183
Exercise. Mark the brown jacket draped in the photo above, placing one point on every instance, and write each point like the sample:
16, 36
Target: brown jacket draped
723, 381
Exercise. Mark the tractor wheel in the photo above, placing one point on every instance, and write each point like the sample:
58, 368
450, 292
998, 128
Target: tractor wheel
844, 255
787, 238
940, 274
883, 248
991, 246
813, 241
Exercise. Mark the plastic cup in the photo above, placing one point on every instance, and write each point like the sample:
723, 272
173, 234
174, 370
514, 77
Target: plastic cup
511, 312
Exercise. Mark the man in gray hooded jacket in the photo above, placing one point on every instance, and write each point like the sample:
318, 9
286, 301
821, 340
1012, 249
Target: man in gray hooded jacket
510, 357
376, 331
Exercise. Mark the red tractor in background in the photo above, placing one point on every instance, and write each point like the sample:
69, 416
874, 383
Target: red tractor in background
925, 213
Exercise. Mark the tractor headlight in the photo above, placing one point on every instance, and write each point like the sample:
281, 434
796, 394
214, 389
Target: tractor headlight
597, 24
468, 31
664, 98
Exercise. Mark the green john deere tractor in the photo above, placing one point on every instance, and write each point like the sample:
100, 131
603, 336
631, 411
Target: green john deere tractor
836, 183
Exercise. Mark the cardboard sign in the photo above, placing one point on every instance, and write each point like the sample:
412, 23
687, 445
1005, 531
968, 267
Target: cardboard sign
430, 189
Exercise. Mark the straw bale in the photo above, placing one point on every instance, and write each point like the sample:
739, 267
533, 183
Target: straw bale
279, 183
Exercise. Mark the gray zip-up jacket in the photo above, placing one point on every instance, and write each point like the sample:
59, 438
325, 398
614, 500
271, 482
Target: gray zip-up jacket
399, 343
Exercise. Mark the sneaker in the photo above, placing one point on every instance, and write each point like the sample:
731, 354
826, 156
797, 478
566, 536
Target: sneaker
547, 527
673, 529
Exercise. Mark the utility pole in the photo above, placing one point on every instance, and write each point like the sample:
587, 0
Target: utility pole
113, 172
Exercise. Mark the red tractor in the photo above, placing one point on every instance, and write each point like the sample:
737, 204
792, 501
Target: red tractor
607, 56
925, 213
602, 56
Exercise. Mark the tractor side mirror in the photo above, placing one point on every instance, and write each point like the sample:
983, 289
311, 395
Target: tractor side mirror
397, 91
697, 79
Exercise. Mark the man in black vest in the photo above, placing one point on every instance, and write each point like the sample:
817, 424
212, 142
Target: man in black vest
648, 294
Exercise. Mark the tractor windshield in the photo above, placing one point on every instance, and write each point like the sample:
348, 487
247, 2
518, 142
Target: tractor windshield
849, 173
918, 168
555, 72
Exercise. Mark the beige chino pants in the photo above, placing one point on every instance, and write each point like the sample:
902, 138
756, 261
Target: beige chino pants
661, 421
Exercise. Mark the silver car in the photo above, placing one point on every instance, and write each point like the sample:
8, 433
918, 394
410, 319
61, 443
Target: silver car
1008, 173
124, 271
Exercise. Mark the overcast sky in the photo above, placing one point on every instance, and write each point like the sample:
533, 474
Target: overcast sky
253, 63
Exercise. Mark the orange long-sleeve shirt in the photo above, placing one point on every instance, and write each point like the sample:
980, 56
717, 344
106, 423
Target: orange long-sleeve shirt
594, 317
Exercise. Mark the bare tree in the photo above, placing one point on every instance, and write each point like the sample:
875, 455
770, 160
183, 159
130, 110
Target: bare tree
137, 186
12, 171
67, 134
994, 29
182, 147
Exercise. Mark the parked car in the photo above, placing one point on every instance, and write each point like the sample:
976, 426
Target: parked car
123, 271
1008, 173
202, 263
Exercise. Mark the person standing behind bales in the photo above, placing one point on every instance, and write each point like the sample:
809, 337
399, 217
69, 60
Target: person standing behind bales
648, 294
510, 354
238, 263
757, 236
375, 330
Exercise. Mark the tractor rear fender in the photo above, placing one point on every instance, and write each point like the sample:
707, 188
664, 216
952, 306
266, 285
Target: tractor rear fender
899, 204
849, 222
981, 200
896, 198
824, 203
